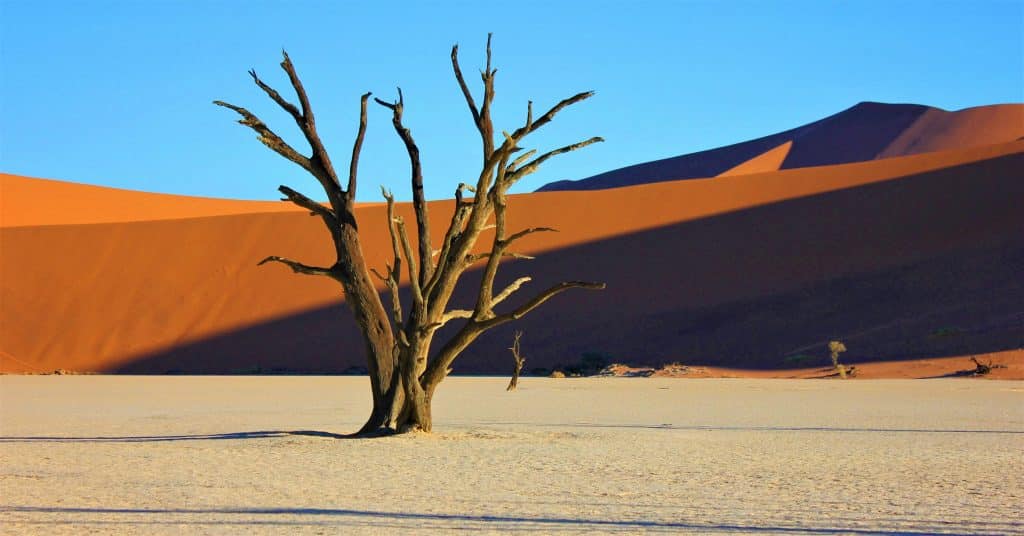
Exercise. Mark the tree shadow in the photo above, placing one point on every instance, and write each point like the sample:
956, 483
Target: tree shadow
543, 524
268, 434
263, 434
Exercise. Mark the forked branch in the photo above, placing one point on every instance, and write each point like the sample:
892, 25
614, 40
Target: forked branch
534, 164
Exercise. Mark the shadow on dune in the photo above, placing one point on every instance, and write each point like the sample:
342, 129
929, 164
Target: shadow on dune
923, 266
857, 134
520, 523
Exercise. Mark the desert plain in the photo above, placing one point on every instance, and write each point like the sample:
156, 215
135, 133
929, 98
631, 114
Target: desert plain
254, 455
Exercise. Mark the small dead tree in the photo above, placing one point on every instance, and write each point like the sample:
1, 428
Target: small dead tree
518, 360
834, 349
403, 370
981, 369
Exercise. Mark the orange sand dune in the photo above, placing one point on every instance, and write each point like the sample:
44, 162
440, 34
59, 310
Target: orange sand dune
28, 201
684, 261
768, 161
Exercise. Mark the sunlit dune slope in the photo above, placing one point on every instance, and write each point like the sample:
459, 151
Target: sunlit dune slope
28, 201
768, 161
867, 131
683, 262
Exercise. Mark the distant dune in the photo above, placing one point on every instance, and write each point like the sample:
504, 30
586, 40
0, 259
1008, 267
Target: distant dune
908, 257
867, 131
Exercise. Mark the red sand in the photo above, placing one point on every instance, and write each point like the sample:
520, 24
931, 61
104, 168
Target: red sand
111, 295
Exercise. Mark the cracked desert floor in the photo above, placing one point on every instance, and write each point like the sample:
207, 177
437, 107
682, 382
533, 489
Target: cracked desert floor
253, 455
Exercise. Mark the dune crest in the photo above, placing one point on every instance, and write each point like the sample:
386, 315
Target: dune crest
30, 201
768, 161
864, 132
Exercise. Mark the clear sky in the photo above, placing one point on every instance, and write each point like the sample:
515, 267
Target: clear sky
119, 93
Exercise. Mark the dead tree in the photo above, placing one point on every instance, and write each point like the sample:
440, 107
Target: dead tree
518, 362
404, 371
981, 369
834, 349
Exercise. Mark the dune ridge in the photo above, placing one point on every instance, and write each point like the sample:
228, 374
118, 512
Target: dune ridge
29, 201
866, 131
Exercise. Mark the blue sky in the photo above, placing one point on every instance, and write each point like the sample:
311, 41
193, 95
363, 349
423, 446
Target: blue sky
119, 93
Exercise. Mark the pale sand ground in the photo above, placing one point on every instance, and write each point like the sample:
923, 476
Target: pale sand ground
212, 455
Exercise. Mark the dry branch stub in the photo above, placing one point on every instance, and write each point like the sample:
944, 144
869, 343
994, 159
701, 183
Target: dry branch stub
518, 361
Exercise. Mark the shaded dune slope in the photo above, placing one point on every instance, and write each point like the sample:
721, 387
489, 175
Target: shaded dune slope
866, 131
905, 257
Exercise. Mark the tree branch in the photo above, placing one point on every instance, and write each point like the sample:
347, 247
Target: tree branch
396, 266
532, 126
390, 280
419, 201
481, 115
531, 230
462, 85
353, 166
525, 309
454, 229
315, 209
477, 257
536, 162
454, 314
307, 110
298, 267
519, 160
320, 161
276, 97
514, 286
268, 137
